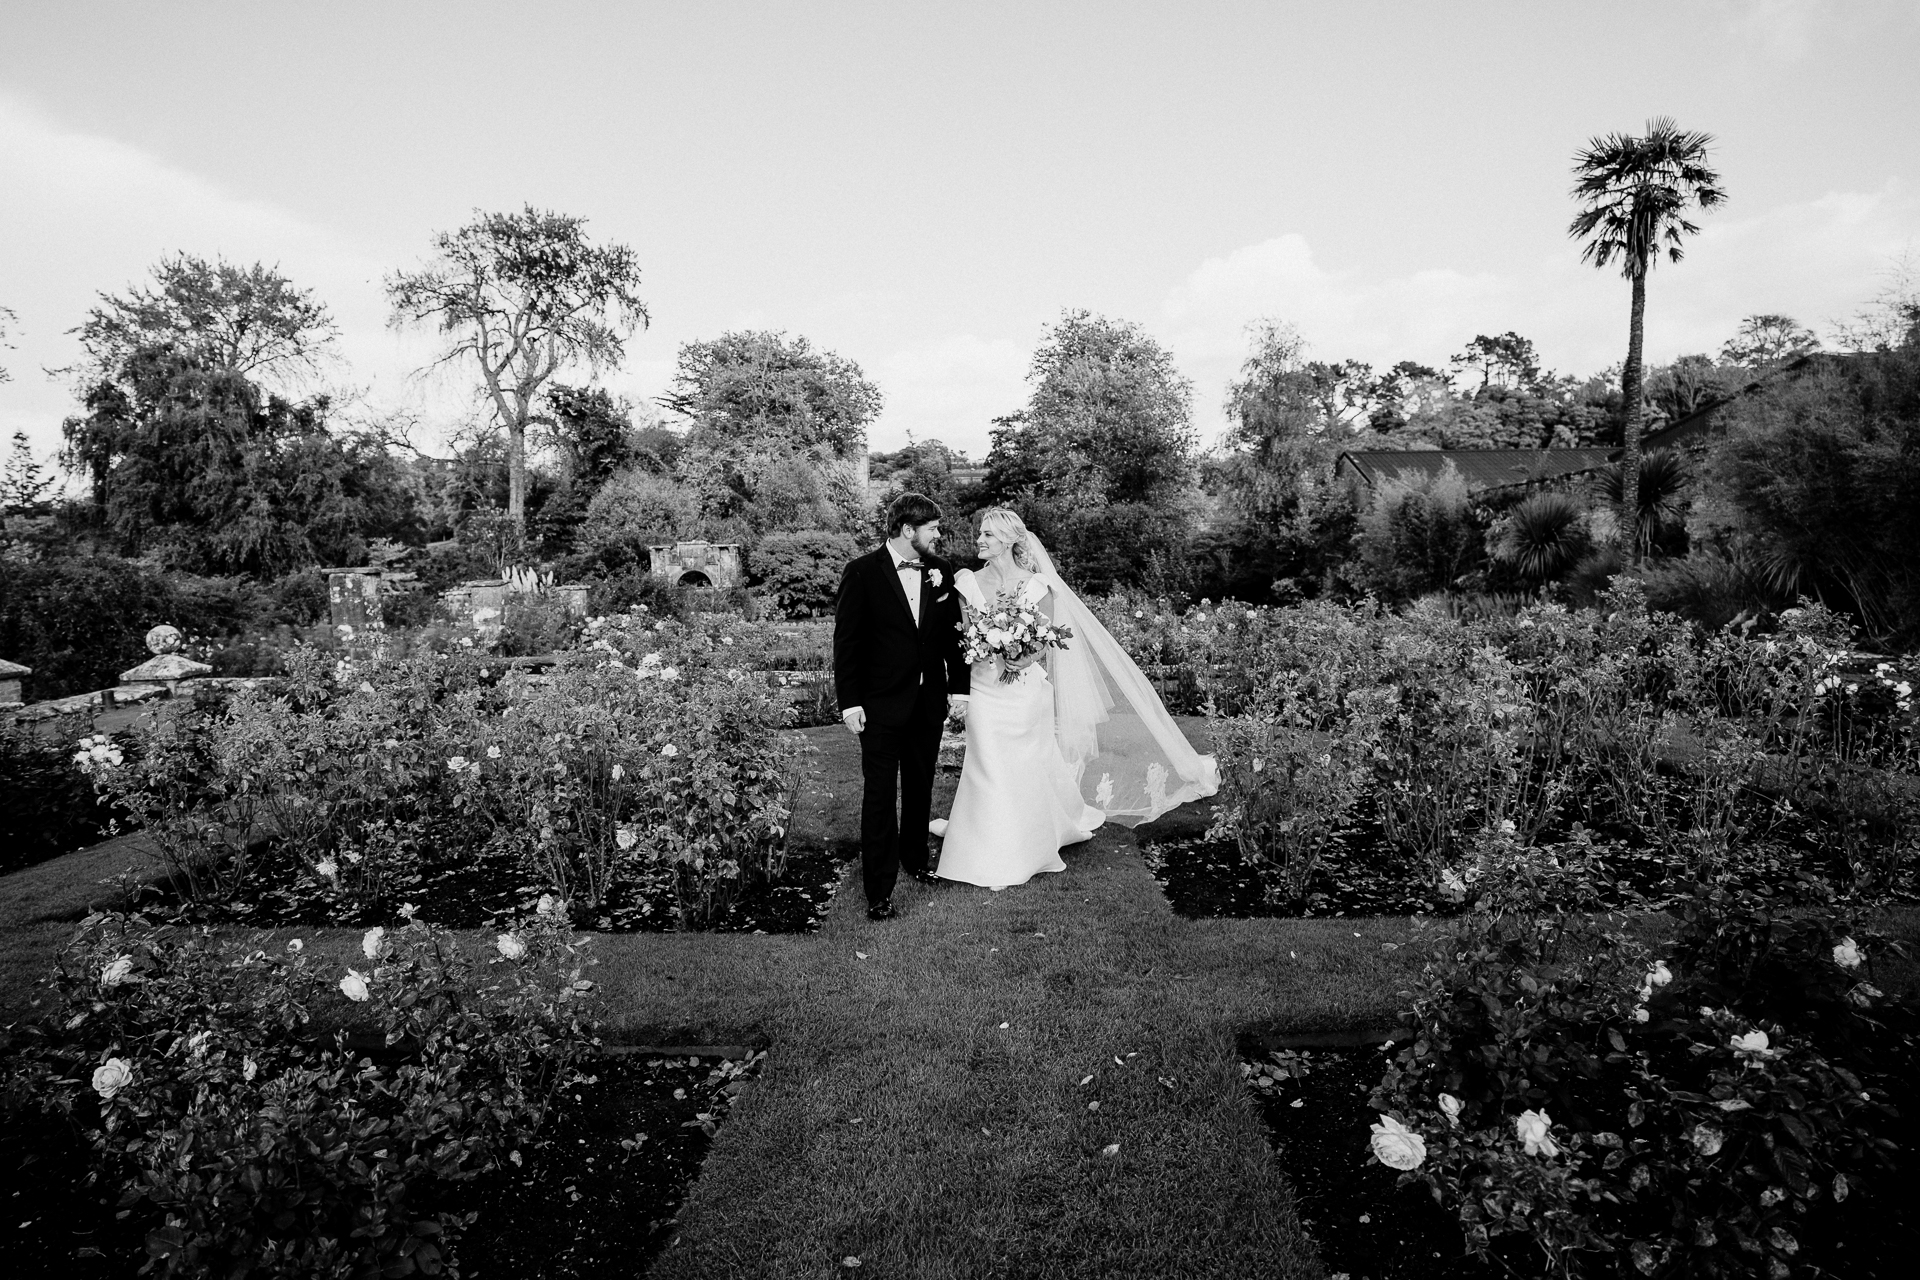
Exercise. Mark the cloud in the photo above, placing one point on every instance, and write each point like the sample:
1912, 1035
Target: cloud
949, 389
1817, 260
1781, 27
86, 214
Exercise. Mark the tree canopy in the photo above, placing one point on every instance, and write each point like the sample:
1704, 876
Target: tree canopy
772, 393
251, 321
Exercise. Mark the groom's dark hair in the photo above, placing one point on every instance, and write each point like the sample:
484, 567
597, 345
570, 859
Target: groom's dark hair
915, 509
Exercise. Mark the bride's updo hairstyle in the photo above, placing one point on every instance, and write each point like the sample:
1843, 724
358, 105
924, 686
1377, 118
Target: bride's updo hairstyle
1007, 521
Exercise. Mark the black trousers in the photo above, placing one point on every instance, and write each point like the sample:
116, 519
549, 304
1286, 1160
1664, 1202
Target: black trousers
897, 762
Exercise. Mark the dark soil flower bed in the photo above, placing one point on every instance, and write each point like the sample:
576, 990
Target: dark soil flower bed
1363, 874
1367, 1227
482, 890
595, 1194
1364, 1224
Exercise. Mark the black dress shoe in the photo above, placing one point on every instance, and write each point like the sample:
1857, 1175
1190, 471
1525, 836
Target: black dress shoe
925, 876
882, 910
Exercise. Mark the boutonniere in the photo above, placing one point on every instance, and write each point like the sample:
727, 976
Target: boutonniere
933, 576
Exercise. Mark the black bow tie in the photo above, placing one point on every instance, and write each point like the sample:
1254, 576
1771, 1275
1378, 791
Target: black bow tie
910, 564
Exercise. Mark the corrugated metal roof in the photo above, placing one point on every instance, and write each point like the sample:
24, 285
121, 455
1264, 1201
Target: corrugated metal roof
1480, 468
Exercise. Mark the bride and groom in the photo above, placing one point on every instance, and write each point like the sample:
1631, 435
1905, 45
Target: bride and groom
1059, 741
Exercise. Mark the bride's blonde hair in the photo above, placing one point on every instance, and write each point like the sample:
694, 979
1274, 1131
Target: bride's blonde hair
1006, 520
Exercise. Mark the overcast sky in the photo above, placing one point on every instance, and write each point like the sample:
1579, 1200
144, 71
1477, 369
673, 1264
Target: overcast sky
923, 188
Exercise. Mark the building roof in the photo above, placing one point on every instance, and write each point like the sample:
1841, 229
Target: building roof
1480, 468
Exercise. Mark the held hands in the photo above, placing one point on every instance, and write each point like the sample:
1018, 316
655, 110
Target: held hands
957, 710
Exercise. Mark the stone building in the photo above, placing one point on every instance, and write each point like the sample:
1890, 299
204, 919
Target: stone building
697, 564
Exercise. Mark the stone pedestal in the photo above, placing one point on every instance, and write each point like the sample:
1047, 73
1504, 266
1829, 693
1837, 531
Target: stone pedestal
13, 683
353, 605
166, 670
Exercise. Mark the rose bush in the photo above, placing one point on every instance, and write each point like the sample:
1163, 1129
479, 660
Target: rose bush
269, 1121
1633, 1114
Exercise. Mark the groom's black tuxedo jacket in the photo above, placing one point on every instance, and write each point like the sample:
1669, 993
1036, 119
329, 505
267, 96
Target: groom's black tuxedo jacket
881, 660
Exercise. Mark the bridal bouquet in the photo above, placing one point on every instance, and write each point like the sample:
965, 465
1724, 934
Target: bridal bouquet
1010, 631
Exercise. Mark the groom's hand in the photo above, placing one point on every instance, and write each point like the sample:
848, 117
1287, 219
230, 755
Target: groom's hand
956, 709
856, 719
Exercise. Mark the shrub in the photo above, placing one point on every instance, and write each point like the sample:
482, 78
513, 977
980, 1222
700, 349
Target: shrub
222, 1092
1564, 1087
1418, 534
637, 506
801, 571
51, 807
1285, 791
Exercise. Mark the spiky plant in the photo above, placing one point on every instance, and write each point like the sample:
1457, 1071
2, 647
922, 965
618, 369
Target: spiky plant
1543, 537
1659, 498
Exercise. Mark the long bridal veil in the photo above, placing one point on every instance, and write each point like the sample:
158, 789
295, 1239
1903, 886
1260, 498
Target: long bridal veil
1132, 761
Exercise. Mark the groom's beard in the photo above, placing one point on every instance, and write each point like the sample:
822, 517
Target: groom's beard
921, 547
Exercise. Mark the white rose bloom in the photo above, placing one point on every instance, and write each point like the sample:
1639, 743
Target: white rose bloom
1753, 1043
456, 763
624, 836
1848, 954
1660, 975
1450, 1106
354, 986
509, 946
117, 972
370, 944
111, 1076
326, 867
1397, 1146
618, 773
295, 945
493, 753
1641, 1015
1531, 1128
669, 750
1706, 1139
248, 1068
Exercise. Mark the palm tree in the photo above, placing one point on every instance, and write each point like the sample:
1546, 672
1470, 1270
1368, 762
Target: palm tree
1635, 193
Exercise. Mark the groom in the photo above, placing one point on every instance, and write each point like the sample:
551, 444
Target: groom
896, 670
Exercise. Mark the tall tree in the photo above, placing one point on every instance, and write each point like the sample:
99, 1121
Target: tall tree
770, 417
524, 295
1110, 412
1764, 342
251, 321
1635, 193
1504, 360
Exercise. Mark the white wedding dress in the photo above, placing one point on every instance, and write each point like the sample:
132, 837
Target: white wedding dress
1018, 800
1078, 740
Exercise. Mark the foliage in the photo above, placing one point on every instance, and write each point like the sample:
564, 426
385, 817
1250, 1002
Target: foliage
51, 808
1285, 791
1541, 538
1661, 496
221, 1093
251, 322
1764, 342
765, 392
1822, 480
1638, 1116
195, 462
1109, 419
651, 751
523, 295
801, 571
1418, 533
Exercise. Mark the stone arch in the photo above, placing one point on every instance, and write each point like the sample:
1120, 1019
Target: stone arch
694, 578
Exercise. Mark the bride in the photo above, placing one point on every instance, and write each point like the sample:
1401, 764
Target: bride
1078, 738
